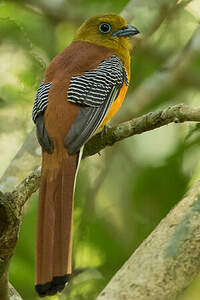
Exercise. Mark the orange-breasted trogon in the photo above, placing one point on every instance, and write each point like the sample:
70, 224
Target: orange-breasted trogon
84, 87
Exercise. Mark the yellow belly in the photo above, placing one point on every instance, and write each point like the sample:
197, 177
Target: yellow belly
115, 106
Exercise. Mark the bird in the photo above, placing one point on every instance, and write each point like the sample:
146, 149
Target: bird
83, 88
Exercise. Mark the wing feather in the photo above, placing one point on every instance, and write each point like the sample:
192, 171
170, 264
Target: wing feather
87, 122
40, 104
94, 91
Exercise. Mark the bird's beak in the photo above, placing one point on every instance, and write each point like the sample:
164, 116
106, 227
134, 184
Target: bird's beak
128, 30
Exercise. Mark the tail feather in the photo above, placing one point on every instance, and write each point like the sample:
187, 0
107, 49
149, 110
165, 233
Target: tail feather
54, 229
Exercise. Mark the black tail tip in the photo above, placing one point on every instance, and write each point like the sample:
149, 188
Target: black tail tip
53, 287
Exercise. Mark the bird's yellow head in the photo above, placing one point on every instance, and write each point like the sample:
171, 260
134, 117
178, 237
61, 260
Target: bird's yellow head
108, 30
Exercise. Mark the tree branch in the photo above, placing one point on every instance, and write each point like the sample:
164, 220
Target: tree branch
28, 158
155, 13
173, 114
11, 207
167, 261
13, 294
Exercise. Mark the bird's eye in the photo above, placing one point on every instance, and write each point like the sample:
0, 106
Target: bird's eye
105, 28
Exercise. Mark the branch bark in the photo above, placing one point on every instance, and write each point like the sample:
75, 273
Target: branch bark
167, 261
173, 114
27, 159
11, 208
12, 293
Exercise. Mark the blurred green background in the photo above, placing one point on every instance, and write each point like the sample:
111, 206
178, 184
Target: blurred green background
123, 194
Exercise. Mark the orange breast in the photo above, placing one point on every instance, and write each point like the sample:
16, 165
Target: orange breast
116, 105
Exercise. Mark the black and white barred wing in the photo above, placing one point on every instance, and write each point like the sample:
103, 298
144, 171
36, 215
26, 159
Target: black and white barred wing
41, 100
94, 91
40, 104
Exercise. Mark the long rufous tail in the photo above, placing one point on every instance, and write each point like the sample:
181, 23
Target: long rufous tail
54, 228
